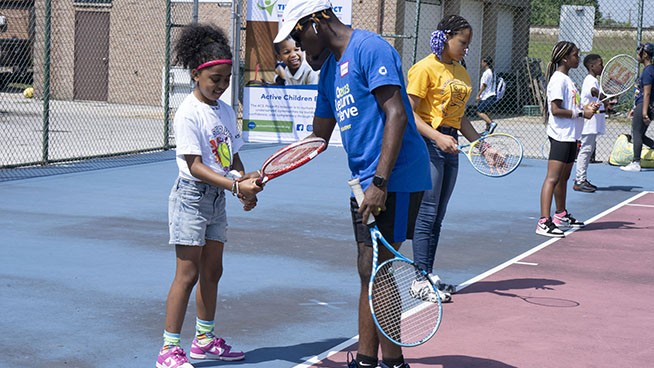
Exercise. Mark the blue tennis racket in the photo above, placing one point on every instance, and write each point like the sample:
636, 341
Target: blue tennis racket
404, 302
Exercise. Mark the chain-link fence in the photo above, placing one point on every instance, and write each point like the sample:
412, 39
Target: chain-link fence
93, 78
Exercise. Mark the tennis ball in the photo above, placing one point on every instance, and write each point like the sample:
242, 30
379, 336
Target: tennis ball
28, 92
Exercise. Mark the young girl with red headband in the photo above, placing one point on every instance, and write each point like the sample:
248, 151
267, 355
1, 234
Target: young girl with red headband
208, 142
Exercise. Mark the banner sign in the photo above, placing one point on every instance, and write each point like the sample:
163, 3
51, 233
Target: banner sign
274, 111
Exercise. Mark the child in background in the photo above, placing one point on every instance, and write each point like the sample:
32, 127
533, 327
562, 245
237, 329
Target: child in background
486, 97
564, 127
593, 126
296, 71
207, 157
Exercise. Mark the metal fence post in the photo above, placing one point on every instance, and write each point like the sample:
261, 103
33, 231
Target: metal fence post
46, 84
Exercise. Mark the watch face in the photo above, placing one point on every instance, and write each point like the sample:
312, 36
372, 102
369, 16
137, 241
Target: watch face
378, 181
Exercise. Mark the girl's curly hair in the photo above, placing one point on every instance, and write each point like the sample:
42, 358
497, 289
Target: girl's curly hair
199, 43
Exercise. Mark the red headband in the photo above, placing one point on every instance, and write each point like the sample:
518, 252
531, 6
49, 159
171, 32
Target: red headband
214, 62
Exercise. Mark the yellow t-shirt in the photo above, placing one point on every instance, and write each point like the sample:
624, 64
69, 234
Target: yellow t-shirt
443, 88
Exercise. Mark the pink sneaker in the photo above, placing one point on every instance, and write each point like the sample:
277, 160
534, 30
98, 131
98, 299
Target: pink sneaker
217, 349
173, 357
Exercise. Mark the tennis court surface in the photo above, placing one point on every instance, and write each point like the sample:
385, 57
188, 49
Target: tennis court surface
86, 269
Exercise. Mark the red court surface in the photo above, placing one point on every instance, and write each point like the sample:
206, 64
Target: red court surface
582, 301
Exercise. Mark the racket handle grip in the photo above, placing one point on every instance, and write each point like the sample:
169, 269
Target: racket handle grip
355, 185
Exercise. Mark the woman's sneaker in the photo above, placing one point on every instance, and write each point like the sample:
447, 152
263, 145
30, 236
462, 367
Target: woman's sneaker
424, 291
546, 227
172, 357
564, 220
216, 349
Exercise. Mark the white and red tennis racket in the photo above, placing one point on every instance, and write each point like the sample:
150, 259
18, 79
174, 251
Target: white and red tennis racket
290, 158
619, 76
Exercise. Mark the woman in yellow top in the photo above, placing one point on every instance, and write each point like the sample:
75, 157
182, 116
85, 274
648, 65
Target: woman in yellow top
439, 87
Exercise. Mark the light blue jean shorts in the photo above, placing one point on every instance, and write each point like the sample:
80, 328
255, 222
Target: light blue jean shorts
196, 213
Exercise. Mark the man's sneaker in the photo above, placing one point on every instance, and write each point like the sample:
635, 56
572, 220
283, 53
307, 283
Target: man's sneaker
403, 365
564, 220
546, 227
353, 363
584, 186
217, 349
424, 291
172, 357
634, 167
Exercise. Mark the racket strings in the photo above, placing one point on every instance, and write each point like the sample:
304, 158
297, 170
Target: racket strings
404, 317
292, 157
618, 75
496, 155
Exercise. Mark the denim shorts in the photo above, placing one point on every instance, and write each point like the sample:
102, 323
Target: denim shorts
196, 213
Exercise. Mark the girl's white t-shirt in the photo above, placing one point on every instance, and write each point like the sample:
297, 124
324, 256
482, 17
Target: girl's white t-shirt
487, 79
561, 87
596, 124
208, 131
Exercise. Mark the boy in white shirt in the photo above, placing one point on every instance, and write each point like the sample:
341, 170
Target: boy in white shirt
593, 126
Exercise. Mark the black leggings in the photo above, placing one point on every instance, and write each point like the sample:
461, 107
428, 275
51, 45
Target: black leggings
638, 129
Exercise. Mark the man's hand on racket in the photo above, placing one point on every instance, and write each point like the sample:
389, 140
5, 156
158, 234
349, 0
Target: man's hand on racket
373, 202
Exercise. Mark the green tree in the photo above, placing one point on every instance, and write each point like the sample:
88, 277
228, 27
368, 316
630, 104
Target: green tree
548, 12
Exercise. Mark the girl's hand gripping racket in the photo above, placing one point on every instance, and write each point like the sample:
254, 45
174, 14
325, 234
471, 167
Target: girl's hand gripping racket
290, 158
404, 302
618, 76
494, 155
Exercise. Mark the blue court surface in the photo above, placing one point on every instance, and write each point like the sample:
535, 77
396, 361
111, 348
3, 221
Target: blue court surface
86, 266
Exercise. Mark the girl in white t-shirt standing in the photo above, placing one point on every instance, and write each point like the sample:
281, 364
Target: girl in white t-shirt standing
590, 92
564, 127
207, 156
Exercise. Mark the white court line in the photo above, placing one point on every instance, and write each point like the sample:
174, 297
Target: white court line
336, 349
345, 344
640, 205
526, 263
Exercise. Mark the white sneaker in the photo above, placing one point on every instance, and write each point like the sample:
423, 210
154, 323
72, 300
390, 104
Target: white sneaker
634, 167
424, 291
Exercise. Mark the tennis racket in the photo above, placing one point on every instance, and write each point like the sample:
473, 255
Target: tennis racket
618, 76
404, 302
494, 155
290, 158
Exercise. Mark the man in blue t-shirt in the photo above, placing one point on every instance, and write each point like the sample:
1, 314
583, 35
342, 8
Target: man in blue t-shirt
362, 90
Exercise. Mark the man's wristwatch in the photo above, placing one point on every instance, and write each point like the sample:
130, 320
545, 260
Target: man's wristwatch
580, 114
379, 181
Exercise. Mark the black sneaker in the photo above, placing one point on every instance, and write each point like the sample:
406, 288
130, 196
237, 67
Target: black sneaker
353, 363
548, 228
403, 365
584, 186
